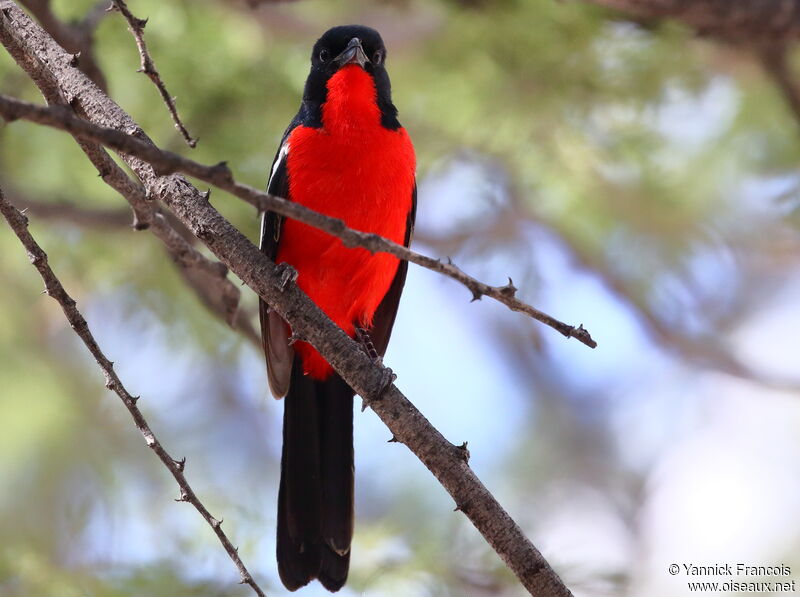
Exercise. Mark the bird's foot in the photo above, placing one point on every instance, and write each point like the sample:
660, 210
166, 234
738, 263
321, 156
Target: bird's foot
286, 274
368, 346
387, 379
387, 375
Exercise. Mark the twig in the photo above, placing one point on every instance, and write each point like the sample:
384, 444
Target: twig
49, 68
54, 288
148, 67
166, 162
106, 220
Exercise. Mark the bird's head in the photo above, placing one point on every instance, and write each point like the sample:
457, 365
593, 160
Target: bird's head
335, 55
348, 44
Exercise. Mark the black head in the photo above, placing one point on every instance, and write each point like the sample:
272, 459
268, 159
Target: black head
342, 46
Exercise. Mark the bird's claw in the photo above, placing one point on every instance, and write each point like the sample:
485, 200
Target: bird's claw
286, 274
387, 379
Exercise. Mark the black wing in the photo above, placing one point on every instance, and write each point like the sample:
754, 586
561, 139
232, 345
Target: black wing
274, 330
383, 321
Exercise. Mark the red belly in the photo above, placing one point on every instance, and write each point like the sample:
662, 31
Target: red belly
356, 170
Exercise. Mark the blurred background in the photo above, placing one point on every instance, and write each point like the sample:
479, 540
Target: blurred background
626, 175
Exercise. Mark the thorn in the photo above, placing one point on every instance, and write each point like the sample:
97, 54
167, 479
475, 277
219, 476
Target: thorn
449, 261
509, 289
216, 523
206, 195
140, 23
286, 274
224, 171
393, 440
457, 508
295, 338
184, 496
135, 399
75, 59
180, 464
476, 295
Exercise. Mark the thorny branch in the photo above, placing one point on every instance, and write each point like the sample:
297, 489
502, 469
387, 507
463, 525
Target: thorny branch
51, 69
207, 278
75, 37
104, 219
54, 288
148, 67
166, 162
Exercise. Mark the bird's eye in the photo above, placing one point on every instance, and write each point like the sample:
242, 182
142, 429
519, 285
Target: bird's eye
324, 54
377, 57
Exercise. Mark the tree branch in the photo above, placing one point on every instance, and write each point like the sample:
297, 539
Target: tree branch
54, 288
166, 162
75, 38
734, 20
148, 67
49, 67
208, 278
107, 220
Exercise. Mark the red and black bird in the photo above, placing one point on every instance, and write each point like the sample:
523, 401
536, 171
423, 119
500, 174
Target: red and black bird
345, 155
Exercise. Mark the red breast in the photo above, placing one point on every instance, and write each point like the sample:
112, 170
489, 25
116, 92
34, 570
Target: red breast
355, 169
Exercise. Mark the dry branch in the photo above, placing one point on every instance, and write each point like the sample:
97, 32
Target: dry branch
95, 218
166, 162
50, 67
148, 67
735, 20
75, 38
54, 288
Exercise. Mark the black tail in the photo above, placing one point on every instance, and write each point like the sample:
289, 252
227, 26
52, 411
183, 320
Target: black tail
315, 499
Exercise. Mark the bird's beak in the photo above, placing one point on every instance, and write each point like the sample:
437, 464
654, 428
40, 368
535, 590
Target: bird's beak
353, 54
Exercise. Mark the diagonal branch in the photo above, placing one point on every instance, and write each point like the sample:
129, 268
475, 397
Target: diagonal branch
208, 278
55, 289
166, 162
75, 38
49, 67
148, 67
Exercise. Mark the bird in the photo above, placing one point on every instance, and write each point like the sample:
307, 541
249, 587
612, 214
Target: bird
345, 155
